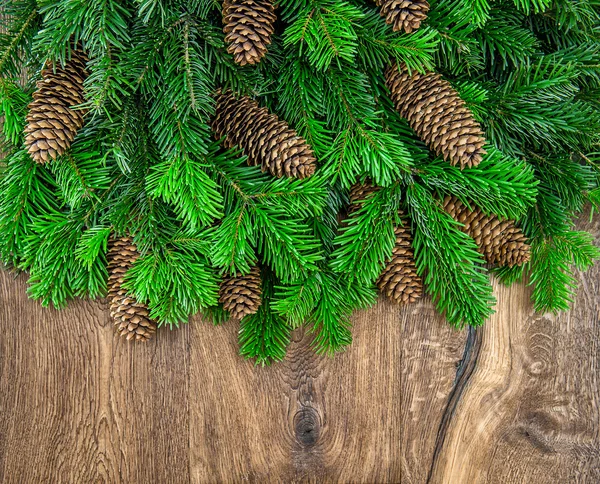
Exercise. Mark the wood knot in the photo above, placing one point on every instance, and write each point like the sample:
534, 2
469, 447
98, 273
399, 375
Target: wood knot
307, 426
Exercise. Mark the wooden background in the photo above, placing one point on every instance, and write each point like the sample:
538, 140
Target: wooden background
411, 401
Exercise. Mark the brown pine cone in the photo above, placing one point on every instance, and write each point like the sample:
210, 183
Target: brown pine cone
501, 242
130, 317
359, 192
437, 114
399, 280
405, 15
241, 295
51, 122
264, 138
248, 26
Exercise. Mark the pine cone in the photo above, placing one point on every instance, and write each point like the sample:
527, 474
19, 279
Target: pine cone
240, 295
404, 15
437, 114
263, 137
130, 316
399, 279
248, 26
51, 122
500, 241
359, 192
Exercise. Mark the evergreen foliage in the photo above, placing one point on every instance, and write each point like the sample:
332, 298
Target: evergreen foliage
146, 163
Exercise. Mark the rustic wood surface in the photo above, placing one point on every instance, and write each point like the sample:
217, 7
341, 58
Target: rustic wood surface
411, 401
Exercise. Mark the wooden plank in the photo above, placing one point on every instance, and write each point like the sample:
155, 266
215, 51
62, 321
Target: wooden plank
79, 405
365, 416
530, 408
432, 353
50, 399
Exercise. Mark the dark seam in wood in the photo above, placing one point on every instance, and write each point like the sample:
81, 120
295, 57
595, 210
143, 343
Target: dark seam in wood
464, 370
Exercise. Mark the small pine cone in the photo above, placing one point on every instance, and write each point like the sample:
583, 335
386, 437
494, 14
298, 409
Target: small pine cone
399, 280
359, 192
404, 15
501, 242
240, 295
248, 26
264, 138
130, 316
437, 114
51, 122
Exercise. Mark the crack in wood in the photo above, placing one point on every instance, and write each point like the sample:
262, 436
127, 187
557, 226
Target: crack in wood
464, 371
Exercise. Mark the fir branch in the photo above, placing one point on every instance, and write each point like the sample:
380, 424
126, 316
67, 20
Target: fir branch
92, 245
80, 174
301, 102
27, 191
184, 183
264, 335
539, 103
55, 273
377, 43
325, 33
331, 317
286, 244
567, 176
178, 118
296, 301
509, 275
233, 242
175, 283
505, 37
13, 106
551, 275
532, 6
361, 147
267, 215
500, 184
366, 242
20, 24
457, 52
100, 24
465, 295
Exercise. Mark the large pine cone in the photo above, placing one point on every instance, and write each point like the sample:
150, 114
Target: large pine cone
51, 122
399, 280
130, 317
437, 114
248, 26
404, 15
263, 137
500, 241
241, 295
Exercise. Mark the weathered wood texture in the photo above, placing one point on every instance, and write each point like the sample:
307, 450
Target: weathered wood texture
411, 401
530, 409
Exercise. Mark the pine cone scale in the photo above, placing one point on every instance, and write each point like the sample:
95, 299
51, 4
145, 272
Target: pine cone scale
399, 279
437, 114
501, 242
266, 140
248, 26
51, 121
241, 295
405, 15
131, 318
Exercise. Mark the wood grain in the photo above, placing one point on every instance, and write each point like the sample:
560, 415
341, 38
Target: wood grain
410, 401
316, 418
530, 410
